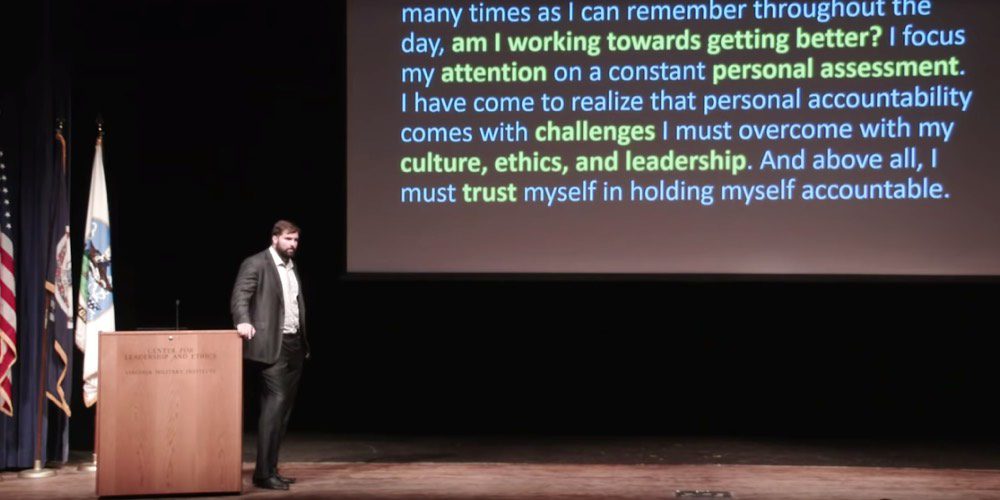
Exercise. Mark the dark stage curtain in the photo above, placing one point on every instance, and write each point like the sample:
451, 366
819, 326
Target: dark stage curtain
36, 93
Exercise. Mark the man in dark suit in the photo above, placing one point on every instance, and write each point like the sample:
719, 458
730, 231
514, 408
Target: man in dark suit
269, 313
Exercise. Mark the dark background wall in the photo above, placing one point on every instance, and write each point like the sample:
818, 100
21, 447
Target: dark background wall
224, 116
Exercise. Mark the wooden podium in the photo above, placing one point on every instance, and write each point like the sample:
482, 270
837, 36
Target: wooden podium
169, 413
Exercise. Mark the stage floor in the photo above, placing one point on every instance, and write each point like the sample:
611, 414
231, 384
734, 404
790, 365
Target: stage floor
520, 467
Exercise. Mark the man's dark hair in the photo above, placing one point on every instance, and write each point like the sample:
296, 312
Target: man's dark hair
284, 226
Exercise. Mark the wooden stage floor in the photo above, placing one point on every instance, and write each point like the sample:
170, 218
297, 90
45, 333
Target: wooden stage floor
497, 467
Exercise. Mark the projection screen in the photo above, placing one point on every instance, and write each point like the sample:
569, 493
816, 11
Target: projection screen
706, 137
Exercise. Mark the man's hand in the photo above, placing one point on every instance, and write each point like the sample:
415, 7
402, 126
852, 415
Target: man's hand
246, 330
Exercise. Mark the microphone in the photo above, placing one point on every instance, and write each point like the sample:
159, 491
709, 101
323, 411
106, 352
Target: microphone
177, 314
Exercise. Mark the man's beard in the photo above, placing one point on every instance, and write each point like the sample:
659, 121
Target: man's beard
286, 253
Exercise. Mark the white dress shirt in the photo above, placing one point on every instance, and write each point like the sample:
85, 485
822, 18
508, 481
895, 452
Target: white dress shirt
289, 292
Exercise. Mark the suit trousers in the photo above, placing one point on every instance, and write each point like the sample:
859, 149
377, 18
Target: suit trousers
279, 383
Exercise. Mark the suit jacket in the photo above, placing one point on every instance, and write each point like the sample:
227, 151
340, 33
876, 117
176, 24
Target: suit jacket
257, 299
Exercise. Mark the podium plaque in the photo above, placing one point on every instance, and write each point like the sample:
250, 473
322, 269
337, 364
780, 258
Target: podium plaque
169, 413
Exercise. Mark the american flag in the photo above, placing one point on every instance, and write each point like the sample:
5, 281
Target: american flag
8, 303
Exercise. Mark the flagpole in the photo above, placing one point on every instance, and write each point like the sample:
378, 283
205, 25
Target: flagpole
37, 471
92, 465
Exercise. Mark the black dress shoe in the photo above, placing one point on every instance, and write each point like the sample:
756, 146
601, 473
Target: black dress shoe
271, 483
286, 480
